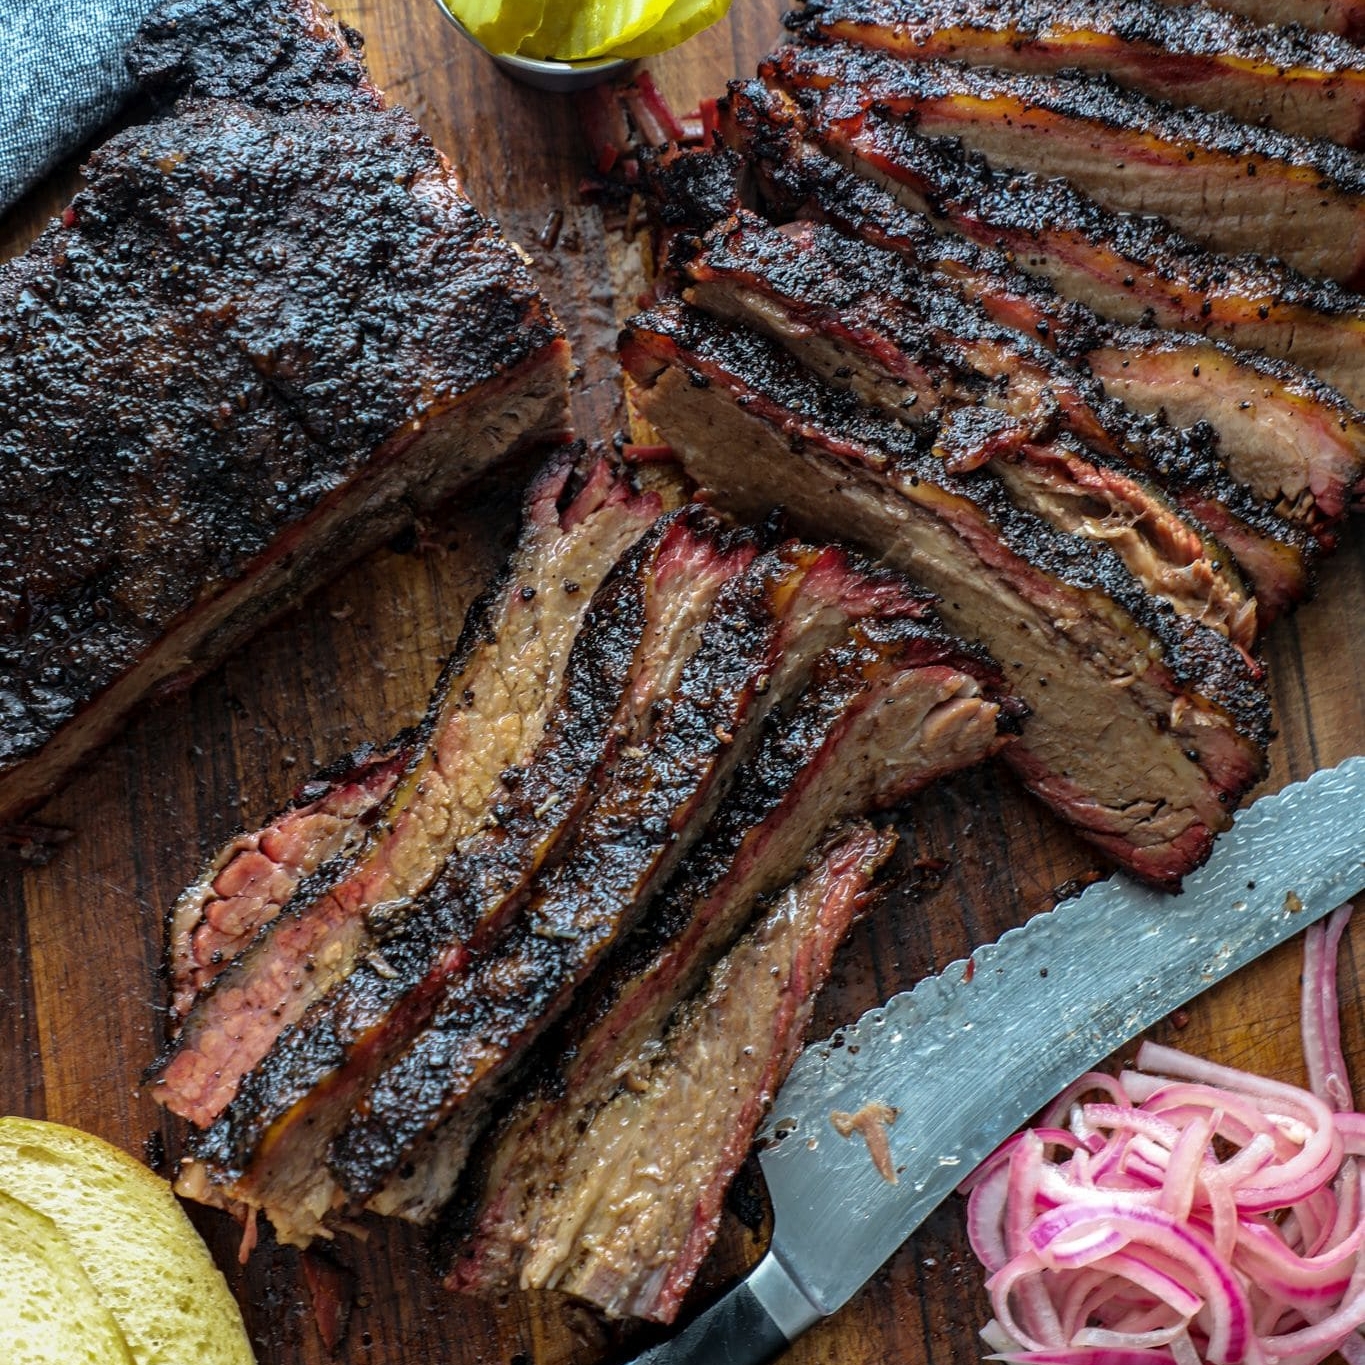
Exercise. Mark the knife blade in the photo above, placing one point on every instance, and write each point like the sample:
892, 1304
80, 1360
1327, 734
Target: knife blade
1021, 1018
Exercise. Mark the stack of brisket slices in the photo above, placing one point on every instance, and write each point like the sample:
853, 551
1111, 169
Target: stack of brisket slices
960, 283
590, 897
651, 721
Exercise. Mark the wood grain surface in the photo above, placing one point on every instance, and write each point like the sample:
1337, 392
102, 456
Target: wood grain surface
80, 938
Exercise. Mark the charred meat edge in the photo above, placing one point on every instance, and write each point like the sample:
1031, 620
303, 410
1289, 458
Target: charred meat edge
887, 713
860, 319
277, 54
575, 511
1307, 477
633, 1244
445, 800
1069, 624
759, 649
1346, 17
1235, 187
273, 1135
1309, 84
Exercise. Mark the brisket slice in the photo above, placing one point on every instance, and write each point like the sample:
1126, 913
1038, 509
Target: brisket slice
1308, 84
1129, 268
1296, 446
545, 690
578, 516
266, 1148
1228, 184
1329, 16
256, 873
407, 1140
1147, 727
860, 318
887, 712
252, 344
639, 1200
1280, 429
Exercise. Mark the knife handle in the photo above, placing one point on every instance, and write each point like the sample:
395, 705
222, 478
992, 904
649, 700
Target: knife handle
753, 1324
735, 1330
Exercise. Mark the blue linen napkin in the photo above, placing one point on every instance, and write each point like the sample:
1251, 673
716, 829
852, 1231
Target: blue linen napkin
61, 77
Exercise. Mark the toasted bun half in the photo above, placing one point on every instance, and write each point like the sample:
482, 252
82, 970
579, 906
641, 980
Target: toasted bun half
148, 1266
49, 1311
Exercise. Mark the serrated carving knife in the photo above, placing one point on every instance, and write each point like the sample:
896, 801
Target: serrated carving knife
1020, 1020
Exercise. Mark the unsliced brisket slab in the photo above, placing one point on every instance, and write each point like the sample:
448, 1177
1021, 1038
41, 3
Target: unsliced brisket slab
268, 328
408, 1138
1309, 84
1146, 727
1228, 184
267, 1148
487, 717
1296, 442
888, 711
861, 319
1130, 268
641, 1195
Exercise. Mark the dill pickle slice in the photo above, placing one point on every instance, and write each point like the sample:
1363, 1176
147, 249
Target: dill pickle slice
500, 25
684, 19
573, 30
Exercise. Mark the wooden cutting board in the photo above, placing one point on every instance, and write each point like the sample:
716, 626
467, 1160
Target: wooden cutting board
80, 938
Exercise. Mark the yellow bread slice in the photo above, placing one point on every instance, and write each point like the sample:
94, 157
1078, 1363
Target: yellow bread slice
148, 1265
49, 1311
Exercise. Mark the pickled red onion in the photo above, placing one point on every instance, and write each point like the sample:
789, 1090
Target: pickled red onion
1185, 1213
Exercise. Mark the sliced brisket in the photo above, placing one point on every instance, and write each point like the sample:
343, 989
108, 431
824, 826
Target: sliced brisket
637, 1203
488, 718
1129, 268
578, 516
264, 332
861, 318
1297, 442
267, 1148
1293, 444
887, 712
409, 1136
1225, 183
1147, 727
1309, 84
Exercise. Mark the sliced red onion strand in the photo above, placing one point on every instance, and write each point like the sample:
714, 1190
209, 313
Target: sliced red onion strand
1352, 1350
1321, 1014
1352, 1130
1188, 1213
1093, 1082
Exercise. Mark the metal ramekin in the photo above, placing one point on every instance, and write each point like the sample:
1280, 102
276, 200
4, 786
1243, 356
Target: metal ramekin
557, 76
